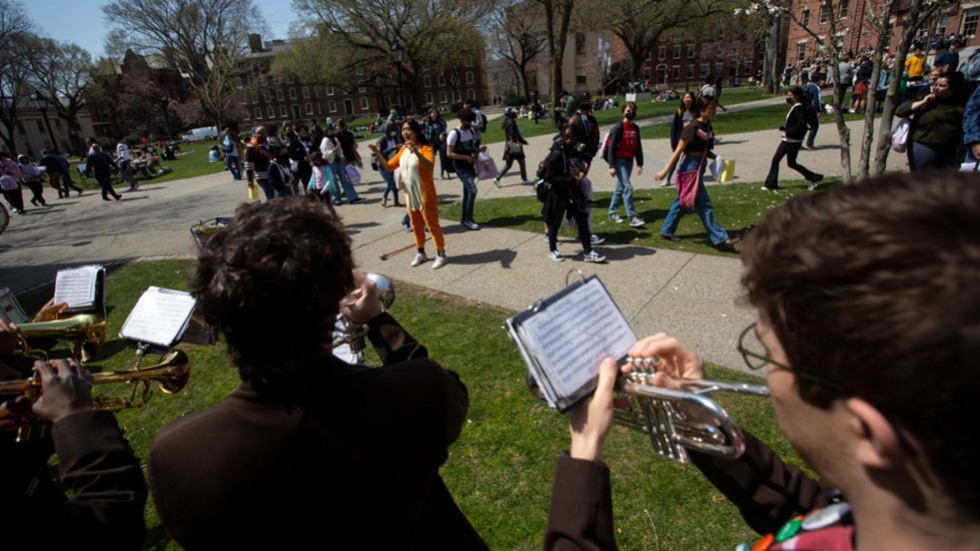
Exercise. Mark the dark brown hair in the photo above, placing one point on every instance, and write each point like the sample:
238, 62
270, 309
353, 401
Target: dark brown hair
271, 283
875, 287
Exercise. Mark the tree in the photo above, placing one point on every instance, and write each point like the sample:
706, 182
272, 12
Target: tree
557, 16
14, 73
62, 71
198, 38
420, 27
517, 40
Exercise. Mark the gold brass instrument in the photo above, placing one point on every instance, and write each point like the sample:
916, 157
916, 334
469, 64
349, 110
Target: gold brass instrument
171, 374
84, 333
352, 334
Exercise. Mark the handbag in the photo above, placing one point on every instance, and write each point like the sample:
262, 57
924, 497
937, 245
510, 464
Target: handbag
514, 148
687, 183
900, 135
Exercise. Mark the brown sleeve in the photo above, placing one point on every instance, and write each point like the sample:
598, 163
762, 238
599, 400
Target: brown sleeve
767, 491
392, 343
580, 515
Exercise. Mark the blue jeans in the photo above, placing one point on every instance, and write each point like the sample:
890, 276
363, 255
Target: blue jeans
272, 192
234, 165
624, 189
340, 174
389, 178
468, 177
702, 206
812, 133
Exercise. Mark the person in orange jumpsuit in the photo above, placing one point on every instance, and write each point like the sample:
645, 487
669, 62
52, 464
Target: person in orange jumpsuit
415, 158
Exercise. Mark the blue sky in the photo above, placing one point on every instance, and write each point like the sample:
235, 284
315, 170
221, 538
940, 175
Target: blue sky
80, 21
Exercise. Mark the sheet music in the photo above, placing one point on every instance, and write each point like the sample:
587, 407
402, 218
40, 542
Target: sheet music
160, 317
572, 335
76, 286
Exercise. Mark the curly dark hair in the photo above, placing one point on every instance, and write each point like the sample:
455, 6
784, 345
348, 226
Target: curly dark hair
271, 283
875, 287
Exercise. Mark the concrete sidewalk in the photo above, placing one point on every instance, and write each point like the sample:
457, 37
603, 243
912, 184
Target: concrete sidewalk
690, 296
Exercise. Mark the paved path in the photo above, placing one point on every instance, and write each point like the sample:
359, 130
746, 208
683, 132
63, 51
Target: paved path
691, 296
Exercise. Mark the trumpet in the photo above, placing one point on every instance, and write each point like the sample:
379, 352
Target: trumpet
84, 333
353, 334
171, 374
678, 420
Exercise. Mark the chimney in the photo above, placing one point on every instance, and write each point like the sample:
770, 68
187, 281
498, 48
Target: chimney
255, 43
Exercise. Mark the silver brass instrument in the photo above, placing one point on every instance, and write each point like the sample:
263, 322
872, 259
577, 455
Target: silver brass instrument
171, 374
353, 334
84, 333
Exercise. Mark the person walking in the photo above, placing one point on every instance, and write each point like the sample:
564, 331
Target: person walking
937, 124
435, 134
388, 144
125, 162
624, 148
100, 164
812, 91
695, 145
513, 146
685, 113
416, 159
230, 142
792, 139
12, 192
30, 175
565, 168
462, 147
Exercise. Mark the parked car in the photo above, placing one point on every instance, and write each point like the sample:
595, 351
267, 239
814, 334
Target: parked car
201, 134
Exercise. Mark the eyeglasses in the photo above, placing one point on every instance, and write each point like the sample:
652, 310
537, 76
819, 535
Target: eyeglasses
756, 357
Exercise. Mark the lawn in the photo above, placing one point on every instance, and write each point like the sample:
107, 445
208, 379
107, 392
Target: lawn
738, 208
501, 468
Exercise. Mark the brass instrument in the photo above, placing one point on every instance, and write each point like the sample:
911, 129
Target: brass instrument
352, 334
677, 420
85, 334
171, 373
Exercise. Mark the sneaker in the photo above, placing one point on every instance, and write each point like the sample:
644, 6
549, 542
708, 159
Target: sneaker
812, 186
546, 240
471, 224
440, 262
596, 240
384, 202
728, 245
527, 182
636, 222
407, 227
420, 259
556, 256
593, 256
816, 178
355, 200
667, 183
671, 238
767, 188
615, 218
496, 182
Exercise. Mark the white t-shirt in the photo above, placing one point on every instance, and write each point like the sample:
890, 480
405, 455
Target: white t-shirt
122, 151
458, 134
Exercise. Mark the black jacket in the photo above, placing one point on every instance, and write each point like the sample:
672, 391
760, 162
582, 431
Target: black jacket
796, 123
616, 136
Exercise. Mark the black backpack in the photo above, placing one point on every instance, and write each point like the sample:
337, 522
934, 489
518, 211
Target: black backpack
971, 69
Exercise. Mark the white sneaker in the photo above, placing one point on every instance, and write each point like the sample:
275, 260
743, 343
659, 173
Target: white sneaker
527, 182
593, 256
440, 262
615, 218
667, 183
556, 256
596, 240
420, 258
471, 225
636, 222
496, 182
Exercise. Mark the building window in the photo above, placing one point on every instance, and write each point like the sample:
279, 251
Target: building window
690, 71
427, 81
330, 90
364, 104
443, 98
842, 12
258, 113
822, 17
691, 51
255, 97
469, 77
289, 79
362, 90
675, 73
579, 44
280, 95
283, 112
580, 79
705, 69
441, 80
941, 25
267, 95
471, 94
306, 92
646, 73
677, 51
271, 112
428, 98
801, 51
970, 18
309, 108
245, 115
805, 18
662, 53
292, 93
459, 96
332, 106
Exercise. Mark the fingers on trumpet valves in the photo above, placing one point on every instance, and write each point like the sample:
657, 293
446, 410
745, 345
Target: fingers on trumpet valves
641, 370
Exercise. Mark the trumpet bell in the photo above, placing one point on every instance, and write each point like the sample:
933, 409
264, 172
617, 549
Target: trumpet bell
84, 334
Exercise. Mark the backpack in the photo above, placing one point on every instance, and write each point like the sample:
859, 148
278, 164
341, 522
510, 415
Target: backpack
481, 122
900, 136
971, 69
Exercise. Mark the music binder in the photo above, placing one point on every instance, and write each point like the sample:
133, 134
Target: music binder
563, 338
163, 317
82, 288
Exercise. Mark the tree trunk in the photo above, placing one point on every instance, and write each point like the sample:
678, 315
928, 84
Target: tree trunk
771, 59
884, 37
843, 132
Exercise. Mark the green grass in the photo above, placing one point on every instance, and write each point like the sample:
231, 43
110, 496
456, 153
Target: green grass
500, 470
738, 208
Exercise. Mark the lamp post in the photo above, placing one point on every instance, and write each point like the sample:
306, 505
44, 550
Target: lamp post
398, 55
41, 103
